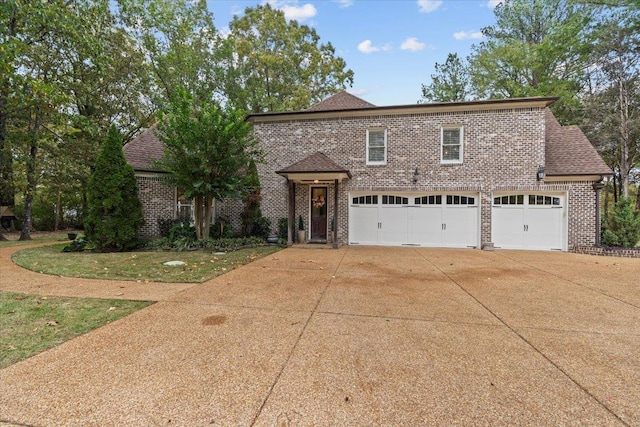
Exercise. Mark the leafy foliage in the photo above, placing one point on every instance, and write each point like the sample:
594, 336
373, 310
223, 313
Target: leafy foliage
279, 65
283, 228
78, 245
115, 212
451, 82
216, 245
622, 227
536, 48
207, 148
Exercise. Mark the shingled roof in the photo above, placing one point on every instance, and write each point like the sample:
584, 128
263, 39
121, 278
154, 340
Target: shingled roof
142, 151
569, 152
342, 100
317, 162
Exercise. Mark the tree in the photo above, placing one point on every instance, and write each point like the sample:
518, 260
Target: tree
207, 150
451, 82
622, 227
179, 40
278, 65
115, 212
536, 48
613, 96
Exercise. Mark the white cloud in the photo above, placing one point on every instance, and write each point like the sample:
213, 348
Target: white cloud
412, 44
491, 4
427, 6
468, 35
292, 10
344, 3
367, 47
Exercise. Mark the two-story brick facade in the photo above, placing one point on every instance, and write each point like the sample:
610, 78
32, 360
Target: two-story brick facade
463, 174
450, 174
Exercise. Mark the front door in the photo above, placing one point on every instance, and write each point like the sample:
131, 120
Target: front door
318, 213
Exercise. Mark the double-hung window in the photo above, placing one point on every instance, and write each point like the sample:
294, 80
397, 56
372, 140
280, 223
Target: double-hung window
451, 146
377, 146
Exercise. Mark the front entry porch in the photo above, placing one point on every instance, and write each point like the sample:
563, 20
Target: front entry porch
319, 176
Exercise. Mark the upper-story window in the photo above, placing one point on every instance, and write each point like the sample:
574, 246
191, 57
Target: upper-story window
451, 146
377, 146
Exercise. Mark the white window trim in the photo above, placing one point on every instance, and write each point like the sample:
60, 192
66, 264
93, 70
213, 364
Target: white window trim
450, 127
383, 162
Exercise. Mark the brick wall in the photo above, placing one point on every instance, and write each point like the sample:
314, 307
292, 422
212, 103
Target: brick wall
158, 201
502, 152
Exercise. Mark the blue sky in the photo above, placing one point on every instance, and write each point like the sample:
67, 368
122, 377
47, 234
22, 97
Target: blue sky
391, 45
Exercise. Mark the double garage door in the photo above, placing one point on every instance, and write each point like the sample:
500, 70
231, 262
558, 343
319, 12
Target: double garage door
529, 221
414, 219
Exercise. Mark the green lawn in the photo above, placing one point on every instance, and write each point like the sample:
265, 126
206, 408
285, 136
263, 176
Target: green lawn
30, 324
36, 237
144, 266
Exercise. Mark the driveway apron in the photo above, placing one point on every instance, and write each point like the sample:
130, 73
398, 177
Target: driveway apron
355, 336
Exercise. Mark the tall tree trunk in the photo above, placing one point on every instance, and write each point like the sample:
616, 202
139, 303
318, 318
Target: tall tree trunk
59, 217
625, 139
31, 176
615, 187
197, 216
208, 204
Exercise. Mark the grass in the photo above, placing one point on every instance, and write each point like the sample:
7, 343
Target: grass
143, 266
36, 237
30, 324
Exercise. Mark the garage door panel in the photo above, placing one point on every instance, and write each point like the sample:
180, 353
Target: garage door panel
364, 225
393, 229
508, 227
425, 225
461, 226
544, 228
537, 222
413, 219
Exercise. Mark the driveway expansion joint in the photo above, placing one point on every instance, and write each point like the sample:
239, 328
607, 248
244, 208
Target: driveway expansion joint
530, 344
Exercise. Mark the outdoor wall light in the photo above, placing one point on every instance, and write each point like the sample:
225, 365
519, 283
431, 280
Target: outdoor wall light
416, 175
540, 175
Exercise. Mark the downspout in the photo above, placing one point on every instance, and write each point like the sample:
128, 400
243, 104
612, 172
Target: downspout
597, 186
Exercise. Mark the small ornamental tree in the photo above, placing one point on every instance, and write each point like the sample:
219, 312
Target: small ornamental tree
622, 227
207, 150
251, 213
115, 212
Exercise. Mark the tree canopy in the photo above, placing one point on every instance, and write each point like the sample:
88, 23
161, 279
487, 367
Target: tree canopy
207, 151
280, 65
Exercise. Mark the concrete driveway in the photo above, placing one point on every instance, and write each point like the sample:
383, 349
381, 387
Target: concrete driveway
357, 336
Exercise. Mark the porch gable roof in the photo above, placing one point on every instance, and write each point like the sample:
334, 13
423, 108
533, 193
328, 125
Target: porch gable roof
314, 168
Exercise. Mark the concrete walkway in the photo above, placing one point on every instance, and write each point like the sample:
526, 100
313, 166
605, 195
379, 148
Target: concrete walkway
355, 336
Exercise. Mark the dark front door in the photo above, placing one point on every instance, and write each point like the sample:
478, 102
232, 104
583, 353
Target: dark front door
319, 213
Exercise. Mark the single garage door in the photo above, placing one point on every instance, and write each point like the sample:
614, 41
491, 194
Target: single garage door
414, 219
529, 221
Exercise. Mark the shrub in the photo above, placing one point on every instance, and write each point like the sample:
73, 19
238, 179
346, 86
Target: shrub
182, 230
261, 227
165, 224
221, 230
78, 245
622, 227
215, 245
115, 212
283, 228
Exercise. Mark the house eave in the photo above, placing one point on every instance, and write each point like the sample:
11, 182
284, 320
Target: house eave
439, 107
575, 178
324, 177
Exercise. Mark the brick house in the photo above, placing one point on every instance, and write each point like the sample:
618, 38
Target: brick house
500, 173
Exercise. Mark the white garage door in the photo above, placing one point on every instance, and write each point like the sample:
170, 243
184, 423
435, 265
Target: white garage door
529, 221
414, 219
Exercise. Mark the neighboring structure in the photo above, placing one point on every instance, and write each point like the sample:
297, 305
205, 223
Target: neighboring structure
500, 173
